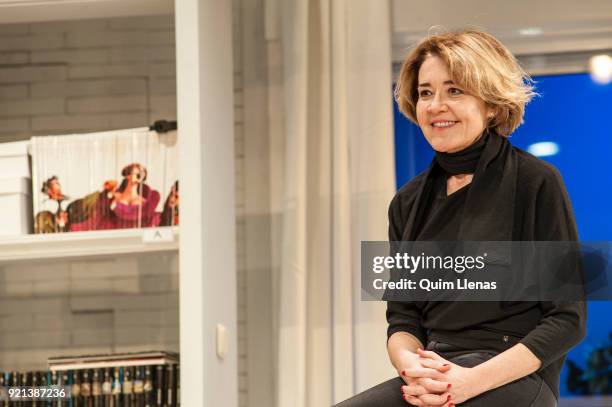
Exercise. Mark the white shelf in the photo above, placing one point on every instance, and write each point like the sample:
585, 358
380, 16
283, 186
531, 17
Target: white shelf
83, 244
19, 11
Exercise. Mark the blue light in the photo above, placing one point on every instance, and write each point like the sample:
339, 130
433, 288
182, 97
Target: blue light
544, 149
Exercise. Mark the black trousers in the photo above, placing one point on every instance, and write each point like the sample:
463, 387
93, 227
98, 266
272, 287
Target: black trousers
530, 391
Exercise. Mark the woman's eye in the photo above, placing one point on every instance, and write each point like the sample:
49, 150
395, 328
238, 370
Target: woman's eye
455, 91
424, 93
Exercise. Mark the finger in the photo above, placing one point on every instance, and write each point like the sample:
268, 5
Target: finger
449, 404
444, 404
413, 400
408, 380
440, 366
444, 368
418, 372
434, 386
435, 399
430, 355
414, 390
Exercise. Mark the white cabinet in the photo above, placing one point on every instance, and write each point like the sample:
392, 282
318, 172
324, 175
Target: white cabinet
206, 252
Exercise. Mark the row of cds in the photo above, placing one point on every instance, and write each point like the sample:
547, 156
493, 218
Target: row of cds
129, 386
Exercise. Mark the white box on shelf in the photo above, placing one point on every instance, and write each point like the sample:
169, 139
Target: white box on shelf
15, 160
16, 205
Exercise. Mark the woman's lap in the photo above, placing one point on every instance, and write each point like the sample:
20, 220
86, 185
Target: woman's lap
530, 391
385, 394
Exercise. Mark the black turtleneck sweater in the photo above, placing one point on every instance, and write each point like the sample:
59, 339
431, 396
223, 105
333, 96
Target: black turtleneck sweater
464, 161
540, 208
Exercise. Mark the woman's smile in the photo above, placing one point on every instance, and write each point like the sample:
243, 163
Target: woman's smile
443, 125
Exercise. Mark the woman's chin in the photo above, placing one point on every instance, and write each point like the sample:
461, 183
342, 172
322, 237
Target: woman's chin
442, 146
448, 144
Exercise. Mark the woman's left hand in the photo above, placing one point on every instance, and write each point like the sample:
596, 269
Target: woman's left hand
465, 384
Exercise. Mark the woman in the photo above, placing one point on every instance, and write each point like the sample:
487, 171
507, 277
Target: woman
134, 201
54, 215
131, 205
467, 93
170, 214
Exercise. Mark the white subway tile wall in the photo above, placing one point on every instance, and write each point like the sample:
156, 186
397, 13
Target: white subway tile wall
61, 307
96, 75
91, 75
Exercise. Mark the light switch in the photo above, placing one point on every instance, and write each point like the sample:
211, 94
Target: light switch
221, 341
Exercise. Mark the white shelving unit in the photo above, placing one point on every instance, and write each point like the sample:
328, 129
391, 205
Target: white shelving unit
207, 277
18, 11
84, 244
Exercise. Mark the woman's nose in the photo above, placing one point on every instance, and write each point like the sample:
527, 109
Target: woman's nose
437, 105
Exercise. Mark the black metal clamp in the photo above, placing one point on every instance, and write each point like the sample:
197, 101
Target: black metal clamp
163, 126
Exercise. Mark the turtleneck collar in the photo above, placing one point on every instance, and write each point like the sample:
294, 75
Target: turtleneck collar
464, 161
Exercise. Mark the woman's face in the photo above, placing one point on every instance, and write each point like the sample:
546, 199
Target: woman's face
450, 119
55, 187
136, 175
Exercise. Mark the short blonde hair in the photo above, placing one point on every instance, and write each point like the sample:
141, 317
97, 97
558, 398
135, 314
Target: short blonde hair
481, 65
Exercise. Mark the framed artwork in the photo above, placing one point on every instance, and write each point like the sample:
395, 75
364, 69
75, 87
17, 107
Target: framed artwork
108, 180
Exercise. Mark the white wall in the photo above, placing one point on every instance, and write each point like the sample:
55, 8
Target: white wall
86, 75
12, 11
526, 27
114, 304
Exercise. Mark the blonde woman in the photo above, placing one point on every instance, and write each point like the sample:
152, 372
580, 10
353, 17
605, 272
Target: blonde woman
468, 94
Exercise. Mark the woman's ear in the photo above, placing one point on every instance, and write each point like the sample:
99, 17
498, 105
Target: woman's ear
491, 111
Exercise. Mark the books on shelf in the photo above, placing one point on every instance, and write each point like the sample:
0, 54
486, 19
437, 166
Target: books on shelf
112, 360
135, 379
119, 386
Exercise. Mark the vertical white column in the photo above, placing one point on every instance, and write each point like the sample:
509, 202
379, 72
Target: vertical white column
207, 248
370, 124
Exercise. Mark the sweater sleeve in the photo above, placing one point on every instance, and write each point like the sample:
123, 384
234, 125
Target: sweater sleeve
402, 316
562, 324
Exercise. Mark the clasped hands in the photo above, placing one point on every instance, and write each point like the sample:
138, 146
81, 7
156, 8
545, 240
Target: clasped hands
432, 380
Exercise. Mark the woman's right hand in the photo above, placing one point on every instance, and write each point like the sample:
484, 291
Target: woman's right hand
424, 378
425, 386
